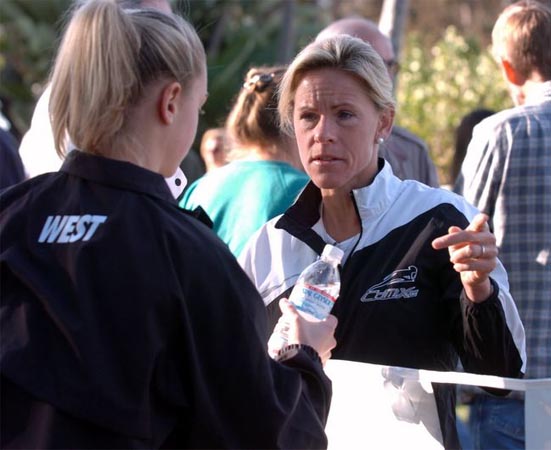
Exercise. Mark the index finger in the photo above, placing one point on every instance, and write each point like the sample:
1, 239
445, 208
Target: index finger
458, 236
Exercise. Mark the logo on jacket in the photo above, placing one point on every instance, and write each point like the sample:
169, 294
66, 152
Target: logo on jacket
394, 286
66, 229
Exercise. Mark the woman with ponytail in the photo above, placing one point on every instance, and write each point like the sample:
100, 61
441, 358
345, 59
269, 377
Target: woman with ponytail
264, 175
124, 321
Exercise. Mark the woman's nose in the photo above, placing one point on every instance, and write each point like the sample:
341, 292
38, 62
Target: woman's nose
324, 131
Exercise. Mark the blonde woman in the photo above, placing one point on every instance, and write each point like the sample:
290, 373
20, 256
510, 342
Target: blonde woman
420, 284
124, 322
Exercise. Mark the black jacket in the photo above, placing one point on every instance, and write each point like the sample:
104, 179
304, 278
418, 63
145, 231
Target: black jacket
126, 323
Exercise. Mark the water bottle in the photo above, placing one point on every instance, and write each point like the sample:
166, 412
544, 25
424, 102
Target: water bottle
315, 291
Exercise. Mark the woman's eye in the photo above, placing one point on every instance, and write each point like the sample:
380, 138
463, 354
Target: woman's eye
307, 116
344, 114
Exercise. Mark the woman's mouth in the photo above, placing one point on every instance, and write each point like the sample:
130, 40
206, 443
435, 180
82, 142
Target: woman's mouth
324, 160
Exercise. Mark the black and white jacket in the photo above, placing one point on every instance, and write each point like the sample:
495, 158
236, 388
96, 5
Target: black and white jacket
401, 301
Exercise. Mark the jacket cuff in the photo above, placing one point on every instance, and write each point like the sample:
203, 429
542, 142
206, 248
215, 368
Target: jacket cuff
291, 350
489, 301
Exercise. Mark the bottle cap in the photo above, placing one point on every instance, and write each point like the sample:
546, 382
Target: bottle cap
332, 252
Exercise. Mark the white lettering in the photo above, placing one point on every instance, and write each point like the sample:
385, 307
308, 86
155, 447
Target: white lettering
390, 294
52, 228
80, 228
96, 222
66, 229
408, 292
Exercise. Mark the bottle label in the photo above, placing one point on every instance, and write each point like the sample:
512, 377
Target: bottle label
312, 300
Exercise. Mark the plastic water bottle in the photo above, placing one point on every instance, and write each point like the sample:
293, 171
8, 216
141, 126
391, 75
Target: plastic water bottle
315, 291
318, 285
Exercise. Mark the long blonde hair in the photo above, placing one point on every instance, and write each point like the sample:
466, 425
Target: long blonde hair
106, 59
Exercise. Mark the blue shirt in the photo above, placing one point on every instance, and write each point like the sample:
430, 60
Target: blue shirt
507, 174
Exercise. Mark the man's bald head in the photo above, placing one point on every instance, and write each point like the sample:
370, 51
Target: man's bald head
161, 5
363, 29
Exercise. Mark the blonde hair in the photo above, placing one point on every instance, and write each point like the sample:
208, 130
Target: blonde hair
522, 35
106, 60
347, 53
253, 119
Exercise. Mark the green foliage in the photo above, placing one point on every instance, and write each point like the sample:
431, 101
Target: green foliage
245, 44
252, 33
438, 87
28, 35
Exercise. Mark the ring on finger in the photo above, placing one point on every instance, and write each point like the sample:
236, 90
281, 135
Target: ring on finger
482, 250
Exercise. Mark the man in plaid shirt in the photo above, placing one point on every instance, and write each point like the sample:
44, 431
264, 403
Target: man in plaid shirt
507, 174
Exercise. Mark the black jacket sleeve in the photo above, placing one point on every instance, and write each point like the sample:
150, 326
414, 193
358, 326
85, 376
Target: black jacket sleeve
488, 345
246, 400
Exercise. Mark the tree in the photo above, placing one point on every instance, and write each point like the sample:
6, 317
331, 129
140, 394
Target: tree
29, 32
444, 73
438, 86
393, 22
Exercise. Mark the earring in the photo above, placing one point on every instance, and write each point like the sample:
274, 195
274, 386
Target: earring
380, 140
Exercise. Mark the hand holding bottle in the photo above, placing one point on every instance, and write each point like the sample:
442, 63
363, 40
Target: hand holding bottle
298, 329
312, 298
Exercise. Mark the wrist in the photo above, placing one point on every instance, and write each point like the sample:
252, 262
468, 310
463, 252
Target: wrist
480, 293
291, 350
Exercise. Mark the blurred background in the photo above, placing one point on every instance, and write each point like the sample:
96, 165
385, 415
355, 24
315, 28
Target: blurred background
446, 68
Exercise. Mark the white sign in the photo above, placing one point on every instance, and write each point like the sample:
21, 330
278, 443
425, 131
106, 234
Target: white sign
382, 407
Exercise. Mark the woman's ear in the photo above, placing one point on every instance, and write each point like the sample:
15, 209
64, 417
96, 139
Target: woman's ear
169, 101
386, 120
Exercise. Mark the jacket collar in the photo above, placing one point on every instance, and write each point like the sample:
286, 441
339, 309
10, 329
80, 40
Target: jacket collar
375, 198
540, 94
370, 200
116, 174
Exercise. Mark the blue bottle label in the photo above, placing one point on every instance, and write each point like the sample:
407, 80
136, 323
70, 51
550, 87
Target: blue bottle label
312, 301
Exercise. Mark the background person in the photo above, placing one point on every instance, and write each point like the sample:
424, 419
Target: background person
11, 166
214, 148
264, 175
463, 135
420, 282
407, 154
507, 174
124, 322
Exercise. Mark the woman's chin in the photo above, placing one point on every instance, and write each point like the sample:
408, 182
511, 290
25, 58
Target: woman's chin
327, 182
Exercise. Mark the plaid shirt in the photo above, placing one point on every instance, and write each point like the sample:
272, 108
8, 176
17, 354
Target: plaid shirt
507, 174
